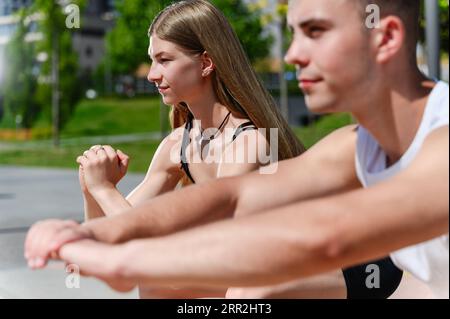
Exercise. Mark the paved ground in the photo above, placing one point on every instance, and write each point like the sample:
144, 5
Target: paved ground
26, 196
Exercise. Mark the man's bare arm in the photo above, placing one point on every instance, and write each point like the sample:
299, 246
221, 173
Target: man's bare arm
326, 168
295, 241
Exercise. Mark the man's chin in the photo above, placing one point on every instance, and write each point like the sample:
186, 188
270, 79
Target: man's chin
319, 106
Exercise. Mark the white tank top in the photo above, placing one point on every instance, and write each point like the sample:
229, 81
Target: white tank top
428, 261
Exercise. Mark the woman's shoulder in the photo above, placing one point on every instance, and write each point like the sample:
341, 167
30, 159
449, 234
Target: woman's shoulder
245, 132
169, 149
246, 139
243, 154
175, 136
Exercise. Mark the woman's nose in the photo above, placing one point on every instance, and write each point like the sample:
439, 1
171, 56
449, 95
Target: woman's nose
153, 74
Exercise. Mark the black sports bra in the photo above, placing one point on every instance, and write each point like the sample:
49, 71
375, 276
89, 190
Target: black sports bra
186, 140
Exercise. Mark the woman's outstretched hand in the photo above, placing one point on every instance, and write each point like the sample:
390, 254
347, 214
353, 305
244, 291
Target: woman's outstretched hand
101, 167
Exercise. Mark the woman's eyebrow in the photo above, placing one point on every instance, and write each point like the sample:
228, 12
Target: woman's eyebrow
156, 55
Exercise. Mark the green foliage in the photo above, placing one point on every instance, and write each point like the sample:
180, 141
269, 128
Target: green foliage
141, 154
53, 27
443, 21
313, 133
108, 116
19, 85
127, 43
248, 26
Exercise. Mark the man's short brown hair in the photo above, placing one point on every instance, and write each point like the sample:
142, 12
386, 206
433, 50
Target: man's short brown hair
407, 10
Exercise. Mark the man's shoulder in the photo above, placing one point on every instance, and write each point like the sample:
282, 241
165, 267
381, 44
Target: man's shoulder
433, 153
337, 140
336, 148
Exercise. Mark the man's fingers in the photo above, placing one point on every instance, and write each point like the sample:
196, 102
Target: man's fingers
85, 254
35, 234
44, 239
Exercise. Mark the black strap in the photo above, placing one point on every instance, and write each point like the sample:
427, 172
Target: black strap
184, 144
242, 128
187, 140
359, 283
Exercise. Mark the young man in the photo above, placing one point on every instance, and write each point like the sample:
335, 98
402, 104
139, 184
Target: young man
312, 216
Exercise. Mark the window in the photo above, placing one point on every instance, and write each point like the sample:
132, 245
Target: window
89, 52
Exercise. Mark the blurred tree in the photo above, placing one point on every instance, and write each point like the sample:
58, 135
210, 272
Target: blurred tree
57, 40
444, 19
20, 84
444, 22
249, 26
127, 43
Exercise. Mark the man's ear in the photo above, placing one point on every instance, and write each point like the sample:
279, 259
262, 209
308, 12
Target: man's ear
389, 38
207, 64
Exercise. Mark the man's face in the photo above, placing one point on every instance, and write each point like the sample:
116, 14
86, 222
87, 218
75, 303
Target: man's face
331, 51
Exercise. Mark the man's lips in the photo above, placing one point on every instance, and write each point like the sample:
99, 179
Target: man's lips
308, 83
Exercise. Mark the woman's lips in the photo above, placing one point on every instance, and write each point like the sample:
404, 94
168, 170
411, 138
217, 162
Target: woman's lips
163, 89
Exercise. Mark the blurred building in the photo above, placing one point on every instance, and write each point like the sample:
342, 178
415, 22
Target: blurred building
8, 21
88, 41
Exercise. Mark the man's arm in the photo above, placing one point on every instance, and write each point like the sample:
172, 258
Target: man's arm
325, 169
290, 242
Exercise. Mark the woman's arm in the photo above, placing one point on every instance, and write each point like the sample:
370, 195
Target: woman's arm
91, 208
162, 176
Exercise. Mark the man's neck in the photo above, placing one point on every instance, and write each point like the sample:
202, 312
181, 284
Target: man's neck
395, 113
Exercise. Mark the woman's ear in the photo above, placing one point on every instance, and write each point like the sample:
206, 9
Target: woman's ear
207, 64
389, 39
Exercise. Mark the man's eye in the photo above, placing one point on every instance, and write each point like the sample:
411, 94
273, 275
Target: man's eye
315, 32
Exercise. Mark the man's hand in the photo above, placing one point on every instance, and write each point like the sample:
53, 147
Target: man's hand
45, 238
99, 260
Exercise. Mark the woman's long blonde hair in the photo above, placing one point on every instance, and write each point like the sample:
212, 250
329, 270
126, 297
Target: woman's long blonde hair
197, 26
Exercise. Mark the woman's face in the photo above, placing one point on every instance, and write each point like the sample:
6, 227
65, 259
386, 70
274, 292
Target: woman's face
176, 74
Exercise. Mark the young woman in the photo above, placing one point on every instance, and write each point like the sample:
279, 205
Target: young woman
202, 72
